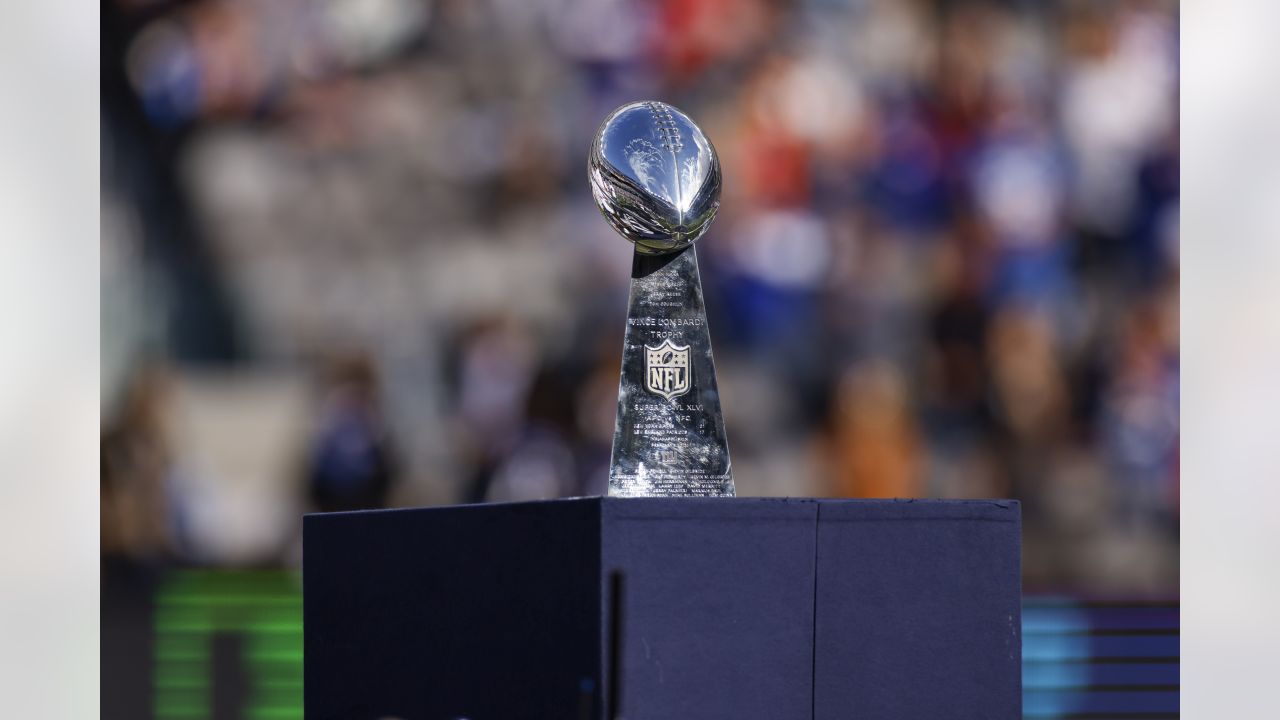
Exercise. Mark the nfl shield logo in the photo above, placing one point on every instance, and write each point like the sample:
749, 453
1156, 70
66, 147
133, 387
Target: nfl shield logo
666, 369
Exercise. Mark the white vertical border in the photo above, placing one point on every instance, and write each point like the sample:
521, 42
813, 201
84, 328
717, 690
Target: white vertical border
49, 339
1230, 241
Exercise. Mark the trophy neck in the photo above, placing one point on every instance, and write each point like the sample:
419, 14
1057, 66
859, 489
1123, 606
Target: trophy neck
669, 437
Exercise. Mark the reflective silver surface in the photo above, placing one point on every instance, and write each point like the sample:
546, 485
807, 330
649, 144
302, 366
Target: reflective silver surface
656, 179
655, 176
668, 435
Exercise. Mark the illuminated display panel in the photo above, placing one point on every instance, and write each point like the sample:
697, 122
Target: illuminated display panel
1081, 659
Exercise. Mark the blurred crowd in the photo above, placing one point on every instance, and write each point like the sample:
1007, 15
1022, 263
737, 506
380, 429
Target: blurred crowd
946, 262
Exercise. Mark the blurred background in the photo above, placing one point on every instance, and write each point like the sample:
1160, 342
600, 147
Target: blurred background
349, 259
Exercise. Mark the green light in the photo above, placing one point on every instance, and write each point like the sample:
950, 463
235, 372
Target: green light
263, 606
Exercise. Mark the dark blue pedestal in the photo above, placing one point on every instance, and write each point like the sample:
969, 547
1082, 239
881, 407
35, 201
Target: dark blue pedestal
661, 609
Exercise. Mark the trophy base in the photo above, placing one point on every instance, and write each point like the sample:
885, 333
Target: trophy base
668, 436
596, 608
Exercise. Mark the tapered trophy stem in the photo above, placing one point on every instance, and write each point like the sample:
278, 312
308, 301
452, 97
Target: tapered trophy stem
669, 438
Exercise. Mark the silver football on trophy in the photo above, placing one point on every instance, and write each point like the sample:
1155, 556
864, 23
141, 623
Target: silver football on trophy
655, 176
